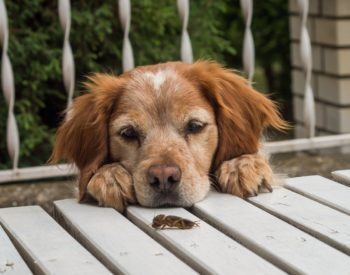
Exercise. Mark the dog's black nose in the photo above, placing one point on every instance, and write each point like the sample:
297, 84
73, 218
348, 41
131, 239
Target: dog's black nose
164, 178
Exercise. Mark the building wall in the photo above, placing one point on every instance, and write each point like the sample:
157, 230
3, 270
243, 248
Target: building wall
329, 30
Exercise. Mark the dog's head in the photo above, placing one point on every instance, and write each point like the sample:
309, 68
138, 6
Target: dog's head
169, 125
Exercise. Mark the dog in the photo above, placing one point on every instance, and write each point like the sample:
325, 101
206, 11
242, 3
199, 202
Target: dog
163, 134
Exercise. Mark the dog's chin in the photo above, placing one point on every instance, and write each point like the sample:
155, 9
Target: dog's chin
166, 200
169, 200
185, 195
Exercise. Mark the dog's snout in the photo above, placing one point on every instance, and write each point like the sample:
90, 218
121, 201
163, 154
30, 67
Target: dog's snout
164, 178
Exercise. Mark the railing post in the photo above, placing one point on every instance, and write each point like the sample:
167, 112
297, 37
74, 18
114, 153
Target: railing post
125, 18
68, 69
306, 61
8, 88
183, 7
248, 42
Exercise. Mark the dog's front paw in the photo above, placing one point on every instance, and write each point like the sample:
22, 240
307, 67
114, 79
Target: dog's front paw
112, 186
245, 176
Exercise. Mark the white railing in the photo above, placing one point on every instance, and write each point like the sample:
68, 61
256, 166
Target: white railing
8, 88
248, 41
183, 7
309, 143
306, 60
125, 19
67, 58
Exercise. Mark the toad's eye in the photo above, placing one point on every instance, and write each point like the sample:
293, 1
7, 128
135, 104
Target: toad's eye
129, 133
194, 126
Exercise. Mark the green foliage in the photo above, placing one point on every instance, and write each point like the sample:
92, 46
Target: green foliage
35, 49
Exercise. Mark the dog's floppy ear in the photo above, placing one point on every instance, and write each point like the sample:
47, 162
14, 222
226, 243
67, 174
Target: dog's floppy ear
82, 138
241, 112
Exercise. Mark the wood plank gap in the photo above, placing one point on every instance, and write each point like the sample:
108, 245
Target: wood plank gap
11, 262
203, 247
342, 176
44, 244
115, 241
322, 190
287, 247
334, 230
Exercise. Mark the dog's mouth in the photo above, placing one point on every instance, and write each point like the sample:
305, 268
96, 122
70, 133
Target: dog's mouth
168, 200
184, 195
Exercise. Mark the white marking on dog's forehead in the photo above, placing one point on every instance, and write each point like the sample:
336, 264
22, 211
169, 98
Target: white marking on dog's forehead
157, 78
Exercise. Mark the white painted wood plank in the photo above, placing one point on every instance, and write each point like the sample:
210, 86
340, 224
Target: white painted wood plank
205, 248
46, 246
342, 176
301, 144
325, 223
37, 172
322, 190
11, 262
281, 243
118, 243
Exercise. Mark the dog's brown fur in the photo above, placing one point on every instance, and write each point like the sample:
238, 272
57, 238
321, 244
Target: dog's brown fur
159, 100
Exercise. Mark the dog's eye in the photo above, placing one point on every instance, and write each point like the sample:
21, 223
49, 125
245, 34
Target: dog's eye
194, 126
129, 133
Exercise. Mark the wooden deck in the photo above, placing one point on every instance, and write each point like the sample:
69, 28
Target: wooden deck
303, 228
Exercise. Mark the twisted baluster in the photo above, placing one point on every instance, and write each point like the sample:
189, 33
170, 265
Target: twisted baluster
248, 42
186, 48
67, 58
306, 60
125, 18
8, 88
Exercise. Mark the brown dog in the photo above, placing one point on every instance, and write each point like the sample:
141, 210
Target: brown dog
157, 134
